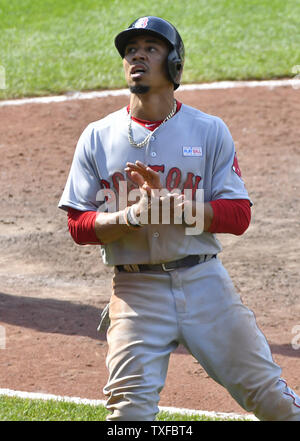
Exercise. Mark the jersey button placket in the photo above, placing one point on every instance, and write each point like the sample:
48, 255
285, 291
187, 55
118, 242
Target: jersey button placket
148, 148
149, 151
154, 235
152, 153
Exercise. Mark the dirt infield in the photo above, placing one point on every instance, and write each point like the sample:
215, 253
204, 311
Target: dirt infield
52, 290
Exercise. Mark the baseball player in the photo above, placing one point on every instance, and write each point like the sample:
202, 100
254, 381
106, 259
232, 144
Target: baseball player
169, 287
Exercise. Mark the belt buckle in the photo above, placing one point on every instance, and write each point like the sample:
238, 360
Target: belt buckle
167, 269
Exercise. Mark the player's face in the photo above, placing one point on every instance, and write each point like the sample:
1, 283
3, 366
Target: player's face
145, 62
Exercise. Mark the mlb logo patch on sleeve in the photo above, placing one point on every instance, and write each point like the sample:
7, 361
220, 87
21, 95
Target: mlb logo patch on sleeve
192, 151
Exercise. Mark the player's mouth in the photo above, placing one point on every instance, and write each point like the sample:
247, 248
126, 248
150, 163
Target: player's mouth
137, 71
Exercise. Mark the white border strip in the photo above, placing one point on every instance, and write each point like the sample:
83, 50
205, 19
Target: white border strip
294, 82
77, 400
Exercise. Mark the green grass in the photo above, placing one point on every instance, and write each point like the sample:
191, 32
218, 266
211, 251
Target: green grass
20, 409
54, 46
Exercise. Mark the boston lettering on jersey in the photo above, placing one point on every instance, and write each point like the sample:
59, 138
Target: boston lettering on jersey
174, 179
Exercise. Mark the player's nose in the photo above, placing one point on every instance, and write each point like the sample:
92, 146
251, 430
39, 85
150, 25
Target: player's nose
139, 54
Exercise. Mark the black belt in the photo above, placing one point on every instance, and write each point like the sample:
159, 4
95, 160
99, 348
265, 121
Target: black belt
168, 266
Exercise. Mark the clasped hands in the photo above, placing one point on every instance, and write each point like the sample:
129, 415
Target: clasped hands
156, 204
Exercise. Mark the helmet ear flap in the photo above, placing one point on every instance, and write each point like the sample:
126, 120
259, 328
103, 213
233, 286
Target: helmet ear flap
175, 66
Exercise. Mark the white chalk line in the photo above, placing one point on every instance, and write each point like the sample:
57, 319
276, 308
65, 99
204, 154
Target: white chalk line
71, 96
77, 400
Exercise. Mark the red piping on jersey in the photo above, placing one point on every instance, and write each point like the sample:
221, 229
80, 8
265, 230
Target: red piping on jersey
230, 216
151, 125
82, 226
289, 395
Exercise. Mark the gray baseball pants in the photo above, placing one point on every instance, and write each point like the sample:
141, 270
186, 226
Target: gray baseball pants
151, 313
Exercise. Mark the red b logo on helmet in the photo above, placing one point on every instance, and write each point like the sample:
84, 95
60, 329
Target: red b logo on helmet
141, 23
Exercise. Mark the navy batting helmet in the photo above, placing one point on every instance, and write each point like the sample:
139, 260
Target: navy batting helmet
160, 28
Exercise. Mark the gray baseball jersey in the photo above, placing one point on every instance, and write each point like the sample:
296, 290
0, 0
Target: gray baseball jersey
152, 312
193, 150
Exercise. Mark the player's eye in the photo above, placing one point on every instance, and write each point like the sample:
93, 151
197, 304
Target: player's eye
130, 50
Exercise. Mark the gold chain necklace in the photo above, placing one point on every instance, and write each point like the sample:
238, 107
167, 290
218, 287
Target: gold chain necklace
147, 139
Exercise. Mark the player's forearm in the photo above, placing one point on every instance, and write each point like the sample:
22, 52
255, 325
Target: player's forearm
225, 216
230, 216
208, 214
110, 227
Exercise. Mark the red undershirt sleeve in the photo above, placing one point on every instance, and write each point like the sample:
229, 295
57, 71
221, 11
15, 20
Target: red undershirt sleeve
230, 216
82, 226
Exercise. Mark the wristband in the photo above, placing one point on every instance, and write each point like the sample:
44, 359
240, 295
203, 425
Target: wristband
130, 220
